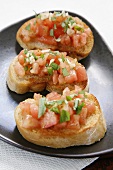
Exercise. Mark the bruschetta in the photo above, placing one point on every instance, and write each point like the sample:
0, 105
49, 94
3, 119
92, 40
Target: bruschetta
59, 121
57, 31
36, 70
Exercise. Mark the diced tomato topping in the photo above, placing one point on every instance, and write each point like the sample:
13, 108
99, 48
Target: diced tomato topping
43, 30
65, 39
48, 40
59, 31
60, 125
30, 123
72, 77
90, 108
81, 74
66, 92
53, 96
50, 119
55, 77
21, 59
34, 110
74, 122
19, 69
25, 107
83, 116
35, 68
61, 79
48, 23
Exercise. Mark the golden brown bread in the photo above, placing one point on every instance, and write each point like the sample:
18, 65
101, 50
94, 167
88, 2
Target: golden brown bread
32, 42
35, 82
93, 130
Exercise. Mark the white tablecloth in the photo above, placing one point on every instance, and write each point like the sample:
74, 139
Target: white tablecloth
99, 13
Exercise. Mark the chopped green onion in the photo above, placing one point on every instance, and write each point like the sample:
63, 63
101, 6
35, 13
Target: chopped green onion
28, 27
25, 51
35, 57
51, 32
55, 27
35, 14
55, 109
42, 55
64, 116
58, 14
38, 16
50, 70
42, 106
76, 102
54, 66
25, 68
52, 102
78, 28
62, 57
53, 18
63, 24
65, 72
68, 98
82, 92
79, 108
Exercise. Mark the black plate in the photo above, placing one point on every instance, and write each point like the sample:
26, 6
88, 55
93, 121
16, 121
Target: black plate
99, 65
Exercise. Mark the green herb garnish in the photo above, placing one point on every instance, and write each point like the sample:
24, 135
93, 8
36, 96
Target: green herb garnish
55, 109
54, 66
51, 32
38, 16
65, 72
68, 98
50, 70
42, 55
55, 27
35, 57
25, 51
79, 108
28, 27
64, 116
78, 28
42, 106
53, 18
25, 68
62, 57
76, 102
57, 102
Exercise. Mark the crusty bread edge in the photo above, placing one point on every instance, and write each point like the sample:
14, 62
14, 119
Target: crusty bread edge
21, 85
93, 131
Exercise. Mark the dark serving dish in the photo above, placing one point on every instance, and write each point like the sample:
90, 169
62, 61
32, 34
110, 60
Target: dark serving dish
99, 65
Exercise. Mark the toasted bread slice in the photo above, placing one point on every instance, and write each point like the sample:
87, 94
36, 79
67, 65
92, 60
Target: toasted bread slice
92, 131
31, 82
72, 36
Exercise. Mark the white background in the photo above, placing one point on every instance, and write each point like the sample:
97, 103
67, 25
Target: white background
100, 14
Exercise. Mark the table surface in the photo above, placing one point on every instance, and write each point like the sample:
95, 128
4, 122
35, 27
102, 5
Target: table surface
97, 12
105, 162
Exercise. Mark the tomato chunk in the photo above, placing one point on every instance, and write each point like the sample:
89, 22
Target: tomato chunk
81, 74
50, 119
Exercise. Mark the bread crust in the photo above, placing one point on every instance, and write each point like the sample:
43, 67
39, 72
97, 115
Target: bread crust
79, 52
35, 83
93, 131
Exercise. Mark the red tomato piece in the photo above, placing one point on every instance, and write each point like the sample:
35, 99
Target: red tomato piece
72, 77
81, 74
59, 31
50, 119
48, 23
